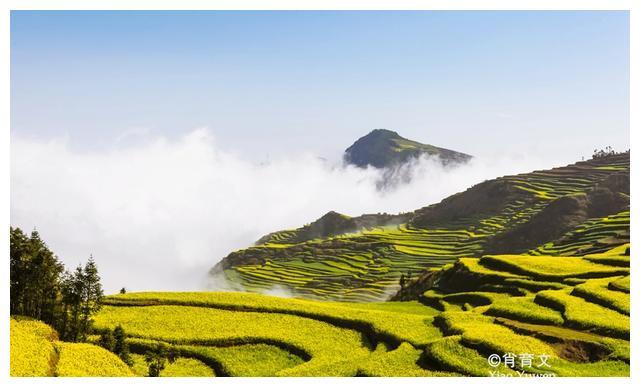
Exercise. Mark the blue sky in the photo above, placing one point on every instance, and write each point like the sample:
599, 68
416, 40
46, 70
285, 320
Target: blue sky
269, 83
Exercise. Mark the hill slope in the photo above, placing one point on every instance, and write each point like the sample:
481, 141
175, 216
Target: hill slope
573, 210
383, 148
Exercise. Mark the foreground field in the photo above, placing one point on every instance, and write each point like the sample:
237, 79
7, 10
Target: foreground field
571, 311
569, 316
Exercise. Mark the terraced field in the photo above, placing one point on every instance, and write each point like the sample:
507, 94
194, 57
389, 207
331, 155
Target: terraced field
594, 236
365, 264
243, 334
561, 308
36, 351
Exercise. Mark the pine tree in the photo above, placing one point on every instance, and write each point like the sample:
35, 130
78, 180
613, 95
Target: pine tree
92, 295
67, 299
77, 293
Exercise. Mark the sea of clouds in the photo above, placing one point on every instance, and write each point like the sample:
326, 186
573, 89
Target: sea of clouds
159, 214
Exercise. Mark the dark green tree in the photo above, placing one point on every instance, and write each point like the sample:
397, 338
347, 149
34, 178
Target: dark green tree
18, 262
74, 294
107, 341
40, 287
92, 295
157, 358
34, 277
121, 348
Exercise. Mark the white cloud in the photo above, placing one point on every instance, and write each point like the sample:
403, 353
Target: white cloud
158, 215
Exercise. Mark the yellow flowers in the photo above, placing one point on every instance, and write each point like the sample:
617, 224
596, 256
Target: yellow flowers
413, 327
585, 315
546, 267
524, 309
513, 311
32, 351
334, 336
35, 351
186, 325
81, 359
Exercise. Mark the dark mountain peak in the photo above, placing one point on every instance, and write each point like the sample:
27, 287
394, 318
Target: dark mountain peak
383, 133
383, 148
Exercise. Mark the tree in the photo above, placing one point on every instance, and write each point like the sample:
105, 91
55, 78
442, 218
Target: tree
155, 363
157, 359
34, 277
18, 259
120, 347
73, 293
41, 288
119, 337
125, 355
123, 291
607, 151
92, 295
107, 340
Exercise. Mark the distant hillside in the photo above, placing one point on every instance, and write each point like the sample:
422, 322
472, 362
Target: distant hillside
574, 210
383, 148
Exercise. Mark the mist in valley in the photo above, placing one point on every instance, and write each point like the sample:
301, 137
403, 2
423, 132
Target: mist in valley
158, 214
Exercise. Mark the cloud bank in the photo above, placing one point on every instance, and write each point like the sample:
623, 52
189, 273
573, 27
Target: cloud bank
157, 215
